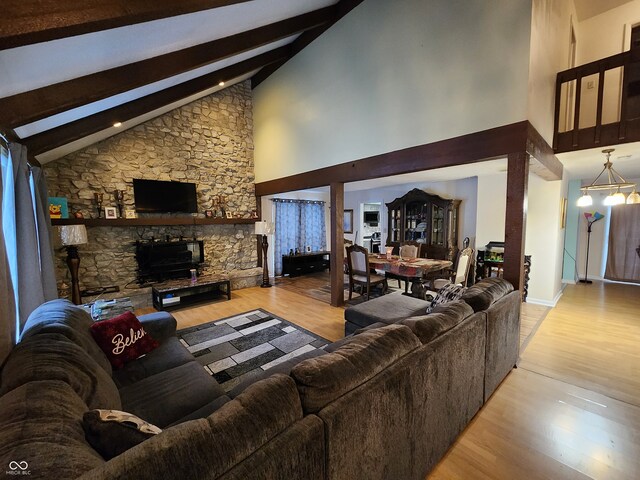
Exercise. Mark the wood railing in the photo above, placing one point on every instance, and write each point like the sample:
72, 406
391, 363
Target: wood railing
625, 129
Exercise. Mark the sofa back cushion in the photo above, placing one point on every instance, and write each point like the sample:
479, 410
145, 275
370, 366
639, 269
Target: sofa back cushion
40, 423
51, 356
210, 447
487, 291
322, 379
444, 317
63, 317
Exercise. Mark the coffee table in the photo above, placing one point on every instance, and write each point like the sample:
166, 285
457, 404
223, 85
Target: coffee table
183, 291
105, 309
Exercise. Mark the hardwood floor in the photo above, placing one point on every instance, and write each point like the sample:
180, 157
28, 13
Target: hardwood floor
570, 411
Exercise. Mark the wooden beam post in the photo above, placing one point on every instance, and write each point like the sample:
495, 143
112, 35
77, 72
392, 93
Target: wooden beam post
516, 218
337, 244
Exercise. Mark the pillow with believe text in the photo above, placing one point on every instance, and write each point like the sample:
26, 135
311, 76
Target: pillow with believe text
122, 339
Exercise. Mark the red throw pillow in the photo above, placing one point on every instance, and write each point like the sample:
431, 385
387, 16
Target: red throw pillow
122, 339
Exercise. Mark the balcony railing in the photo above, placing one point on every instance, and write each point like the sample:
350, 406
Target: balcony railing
586, 119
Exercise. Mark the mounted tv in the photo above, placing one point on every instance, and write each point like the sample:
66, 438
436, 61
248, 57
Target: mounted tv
157, 196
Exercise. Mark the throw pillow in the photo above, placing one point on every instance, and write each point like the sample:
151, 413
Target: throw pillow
122, 339
448, 293
111, 432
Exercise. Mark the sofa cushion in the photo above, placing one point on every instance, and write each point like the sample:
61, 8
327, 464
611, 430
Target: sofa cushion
160, 325
322, 379
211, 447
40, 423
51, 356
441, 320
171, 353
111, 432
386, 309
122, 339
481, 295
168, 396
63, 317
448, 293
205, 411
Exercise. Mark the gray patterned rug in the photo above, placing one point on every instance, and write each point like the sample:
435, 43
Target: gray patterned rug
236, 348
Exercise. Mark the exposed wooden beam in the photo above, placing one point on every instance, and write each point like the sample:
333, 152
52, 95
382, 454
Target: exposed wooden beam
72, 131
43, 102
474, 147
516, 218
342, 8
33, 21
544, 162
337, 244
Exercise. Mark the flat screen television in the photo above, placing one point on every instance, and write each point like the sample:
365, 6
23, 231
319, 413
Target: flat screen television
371, 217
158, 196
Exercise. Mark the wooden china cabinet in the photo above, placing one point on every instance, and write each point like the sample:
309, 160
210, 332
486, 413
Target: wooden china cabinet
429, 220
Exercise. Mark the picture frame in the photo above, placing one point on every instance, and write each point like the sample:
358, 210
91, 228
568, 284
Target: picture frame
229, 215
58, 207
110, 213
208, 213
308, 249
130, 214
563, 212
348, 221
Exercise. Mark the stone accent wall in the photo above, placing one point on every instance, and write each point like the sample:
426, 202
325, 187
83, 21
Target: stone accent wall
208, 142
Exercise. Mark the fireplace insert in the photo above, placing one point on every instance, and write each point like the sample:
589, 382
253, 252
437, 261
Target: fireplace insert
159, 261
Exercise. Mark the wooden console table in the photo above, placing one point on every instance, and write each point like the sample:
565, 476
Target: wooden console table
181, 292
302, 263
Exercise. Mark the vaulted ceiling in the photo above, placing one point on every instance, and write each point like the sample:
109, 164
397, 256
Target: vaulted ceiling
71, 69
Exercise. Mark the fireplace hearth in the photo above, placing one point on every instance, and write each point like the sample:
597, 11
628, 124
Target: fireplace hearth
164, 260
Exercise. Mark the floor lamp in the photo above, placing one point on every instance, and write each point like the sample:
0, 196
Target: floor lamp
71, 236
263, 229
592, 217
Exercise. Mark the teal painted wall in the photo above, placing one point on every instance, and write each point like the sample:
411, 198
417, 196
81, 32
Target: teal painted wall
571, 232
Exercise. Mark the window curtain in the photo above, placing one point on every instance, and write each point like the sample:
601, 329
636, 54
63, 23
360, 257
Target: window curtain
298, 224
623, 258
26, 235
7, 299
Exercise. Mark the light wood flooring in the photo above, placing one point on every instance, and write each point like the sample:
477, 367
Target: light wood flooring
570, 411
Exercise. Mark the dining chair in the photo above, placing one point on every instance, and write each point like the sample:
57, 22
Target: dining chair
458, 275
360, 272
407, 250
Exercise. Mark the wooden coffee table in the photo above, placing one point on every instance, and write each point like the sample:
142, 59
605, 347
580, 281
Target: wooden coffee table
182, 292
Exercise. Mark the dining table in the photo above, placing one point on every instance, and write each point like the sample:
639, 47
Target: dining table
412, 269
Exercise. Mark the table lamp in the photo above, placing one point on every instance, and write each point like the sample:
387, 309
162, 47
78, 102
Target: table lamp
264, 228
70, 237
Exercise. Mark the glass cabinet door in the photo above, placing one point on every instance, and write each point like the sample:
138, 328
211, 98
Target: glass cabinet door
395, 225
437, 226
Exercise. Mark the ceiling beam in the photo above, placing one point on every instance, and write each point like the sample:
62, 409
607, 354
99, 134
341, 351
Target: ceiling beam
34, 105
64, 134
33, 21
341, 9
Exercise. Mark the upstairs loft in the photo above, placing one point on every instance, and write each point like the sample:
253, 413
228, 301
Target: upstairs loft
598, 104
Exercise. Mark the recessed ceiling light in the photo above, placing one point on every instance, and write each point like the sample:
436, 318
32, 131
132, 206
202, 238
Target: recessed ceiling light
221, 84
117, 124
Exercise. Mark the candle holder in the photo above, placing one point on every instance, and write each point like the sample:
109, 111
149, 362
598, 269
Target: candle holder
99, 198
119, 196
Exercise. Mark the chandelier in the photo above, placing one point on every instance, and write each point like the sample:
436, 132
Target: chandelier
615, 184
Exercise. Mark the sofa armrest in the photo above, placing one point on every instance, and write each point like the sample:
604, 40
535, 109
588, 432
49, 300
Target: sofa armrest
160, 325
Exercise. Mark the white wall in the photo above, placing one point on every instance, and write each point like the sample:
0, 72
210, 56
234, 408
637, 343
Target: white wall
602, 36
544, 237
464, 190
390, 75
269, 214
550, 41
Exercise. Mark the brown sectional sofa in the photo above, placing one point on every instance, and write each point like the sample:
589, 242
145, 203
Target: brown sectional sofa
386, 403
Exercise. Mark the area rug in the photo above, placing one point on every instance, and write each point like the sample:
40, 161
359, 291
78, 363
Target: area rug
240, 347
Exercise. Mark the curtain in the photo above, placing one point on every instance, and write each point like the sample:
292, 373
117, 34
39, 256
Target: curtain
7, 298
623, 258
35, 284
299, 223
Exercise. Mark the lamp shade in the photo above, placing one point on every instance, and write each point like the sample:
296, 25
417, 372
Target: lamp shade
585, 200
73, 234
261, 228
633, 198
